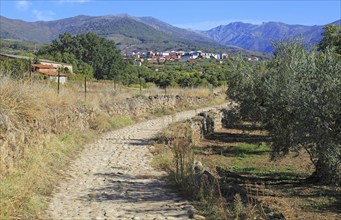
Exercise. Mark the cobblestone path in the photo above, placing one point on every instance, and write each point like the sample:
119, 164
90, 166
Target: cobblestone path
113, 179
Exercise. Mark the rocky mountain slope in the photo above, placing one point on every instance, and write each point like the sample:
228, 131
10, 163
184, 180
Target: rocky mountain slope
259, 37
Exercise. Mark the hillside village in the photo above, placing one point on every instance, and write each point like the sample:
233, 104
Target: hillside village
59, 72
182, 56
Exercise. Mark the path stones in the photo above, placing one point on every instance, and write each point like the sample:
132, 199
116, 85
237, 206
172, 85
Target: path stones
113, 179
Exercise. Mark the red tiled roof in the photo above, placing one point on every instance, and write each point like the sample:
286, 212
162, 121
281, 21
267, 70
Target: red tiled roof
41, 66
50, 72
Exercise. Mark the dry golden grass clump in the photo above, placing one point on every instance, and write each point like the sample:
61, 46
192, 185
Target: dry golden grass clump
19, 102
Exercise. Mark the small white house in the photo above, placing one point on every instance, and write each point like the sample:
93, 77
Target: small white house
62, 78
164, 54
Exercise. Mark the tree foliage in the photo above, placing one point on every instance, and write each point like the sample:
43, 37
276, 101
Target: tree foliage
331, 39
14, 68
180, 74
297, 98
17, 47
246, 85
87, 52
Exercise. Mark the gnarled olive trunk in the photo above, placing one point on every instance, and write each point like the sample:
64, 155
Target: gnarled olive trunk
328, 165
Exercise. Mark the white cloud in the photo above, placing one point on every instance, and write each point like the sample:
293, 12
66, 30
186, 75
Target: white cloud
43, 15
22, 5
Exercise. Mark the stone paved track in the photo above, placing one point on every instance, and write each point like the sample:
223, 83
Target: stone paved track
113, 179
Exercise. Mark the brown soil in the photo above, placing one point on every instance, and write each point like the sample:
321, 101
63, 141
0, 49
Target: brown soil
280, 185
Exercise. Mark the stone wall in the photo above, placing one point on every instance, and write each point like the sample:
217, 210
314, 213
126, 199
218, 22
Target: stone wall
206, 123
141, 105
16, 139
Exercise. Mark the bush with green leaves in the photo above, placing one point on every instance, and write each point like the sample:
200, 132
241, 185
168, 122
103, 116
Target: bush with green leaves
87, 53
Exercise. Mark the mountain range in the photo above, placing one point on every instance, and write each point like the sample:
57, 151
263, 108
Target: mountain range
129, 33
148, 33
259, 37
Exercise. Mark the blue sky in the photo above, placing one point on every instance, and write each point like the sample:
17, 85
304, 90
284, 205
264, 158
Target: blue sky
198, 15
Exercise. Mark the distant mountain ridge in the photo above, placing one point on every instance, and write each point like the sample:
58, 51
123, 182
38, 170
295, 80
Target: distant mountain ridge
129, 33
148, 33
183, 33
259, 37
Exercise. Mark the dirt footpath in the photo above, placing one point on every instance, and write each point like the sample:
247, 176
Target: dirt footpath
113, 179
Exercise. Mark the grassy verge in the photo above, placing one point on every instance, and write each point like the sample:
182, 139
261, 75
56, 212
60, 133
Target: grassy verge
250, 159
104, 122
23, 193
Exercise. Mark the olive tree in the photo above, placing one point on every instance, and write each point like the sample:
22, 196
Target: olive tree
245, 85
302, 100
331, 38
298, 100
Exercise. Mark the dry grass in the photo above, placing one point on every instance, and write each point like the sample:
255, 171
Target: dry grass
174, 153
29, 109
23, 193
30, 101
19, 104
